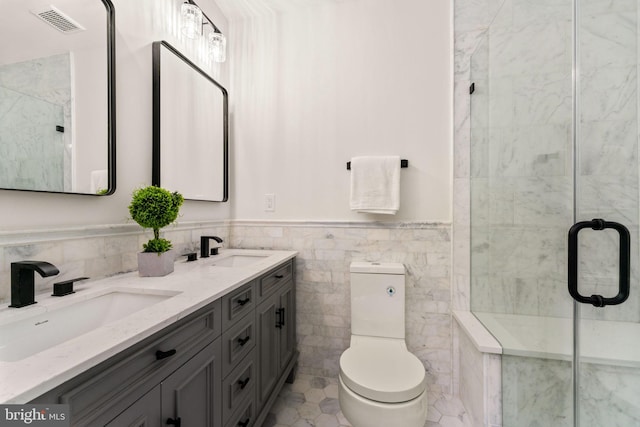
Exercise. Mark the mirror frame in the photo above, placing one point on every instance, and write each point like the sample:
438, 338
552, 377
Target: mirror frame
111, 97
156, 172
111, 110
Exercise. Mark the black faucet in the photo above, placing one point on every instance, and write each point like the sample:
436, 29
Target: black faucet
204, 246
22, 280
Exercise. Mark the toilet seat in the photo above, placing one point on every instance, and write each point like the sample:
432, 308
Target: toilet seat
382, 369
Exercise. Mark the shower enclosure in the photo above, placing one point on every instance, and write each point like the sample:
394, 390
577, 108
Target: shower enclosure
554, 143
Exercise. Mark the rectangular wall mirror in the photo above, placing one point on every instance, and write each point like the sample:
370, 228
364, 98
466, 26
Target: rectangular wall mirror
190, 128
57, 109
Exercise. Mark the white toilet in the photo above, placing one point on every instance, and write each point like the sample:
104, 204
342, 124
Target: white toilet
381, 383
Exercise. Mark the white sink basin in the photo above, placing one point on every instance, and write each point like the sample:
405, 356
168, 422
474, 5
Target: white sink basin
237, 260
26, 337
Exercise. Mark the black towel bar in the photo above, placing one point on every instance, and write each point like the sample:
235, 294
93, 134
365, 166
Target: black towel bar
404, 163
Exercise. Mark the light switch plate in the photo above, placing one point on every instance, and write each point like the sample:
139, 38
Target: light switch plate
269, 202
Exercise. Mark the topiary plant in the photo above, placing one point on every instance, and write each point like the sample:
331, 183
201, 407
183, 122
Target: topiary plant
154, 207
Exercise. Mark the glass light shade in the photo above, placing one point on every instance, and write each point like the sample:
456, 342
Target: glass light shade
191, 20
218, 46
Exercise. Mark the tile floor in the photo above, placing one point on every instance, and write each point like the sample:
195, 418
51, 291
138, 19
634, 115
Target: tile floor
313, 402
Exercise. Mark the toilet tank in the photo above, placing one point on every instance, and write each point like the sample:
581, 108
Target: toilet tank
377, 299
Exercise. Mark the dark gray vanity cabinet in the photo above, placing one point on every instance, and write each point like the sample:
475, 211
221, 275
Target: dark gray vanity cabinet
175, 373
222, 366
275, 320
186, 397
238, 355
145, 412
192, 393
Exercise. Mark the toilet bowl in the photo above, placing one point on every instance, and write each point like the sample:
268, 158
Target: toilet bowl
381, 383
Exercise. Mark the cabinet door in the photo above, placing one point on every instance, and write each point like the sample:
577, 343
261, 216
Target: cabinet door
288, 330
192, 393
268, 347
145, 412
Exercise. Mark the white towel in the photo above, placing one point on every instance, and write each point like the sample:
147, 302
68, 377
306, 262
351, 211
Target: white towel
375, 184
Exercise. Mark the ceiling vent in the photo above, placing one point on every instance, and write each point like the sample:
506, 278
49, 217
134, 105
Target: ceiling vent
58, 20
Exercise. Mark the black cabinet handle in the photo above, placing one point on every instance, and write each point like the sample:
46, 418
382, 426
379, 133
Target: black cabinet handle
242, 302
243, 383
243, 341
244, 423
624, 269
279, 322
282, 316
164, 354
279, 276
175, 422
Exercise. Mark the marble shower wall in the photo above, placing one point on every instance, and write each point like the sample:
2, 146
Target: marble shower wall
538, 393
325, 252
520, 159
479, 380
607, 155
512, 182
41, 87
514, 141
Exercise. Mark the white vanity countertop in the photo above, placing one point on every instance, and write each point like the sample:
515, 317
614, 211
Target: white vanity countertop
198, 283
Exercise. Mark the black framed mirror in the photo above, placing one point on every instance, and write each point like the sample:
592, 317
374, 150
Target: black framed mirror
190, 128
57, 96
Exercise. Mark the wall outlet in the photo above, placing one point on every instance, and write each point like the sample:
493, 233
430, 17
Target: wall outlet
270, 202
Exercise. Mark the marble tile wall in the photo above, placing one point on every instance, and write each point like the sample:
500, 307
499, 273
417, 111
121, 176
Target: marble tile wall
325, 252
31, 89
479, 382
539, 393
520, 156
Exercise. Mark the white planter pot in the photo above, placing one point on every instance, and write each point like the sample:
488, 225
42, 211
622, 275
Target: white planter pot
152, 264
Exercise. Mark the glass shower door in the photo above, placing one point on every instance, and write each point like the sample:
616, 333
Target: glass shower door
554, 142
521, 201
606, 367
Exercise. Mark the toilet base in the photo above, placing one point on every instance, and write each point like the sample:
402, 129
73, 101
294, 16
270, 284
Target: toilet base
362, 412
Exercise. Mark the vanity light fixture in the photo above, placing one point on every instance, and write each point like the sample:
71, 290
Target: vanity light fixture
191, 20
218, 46
193, 25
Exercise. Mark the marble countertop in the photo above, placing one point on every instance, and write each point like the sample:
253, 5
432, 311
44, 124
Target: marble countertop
195, 284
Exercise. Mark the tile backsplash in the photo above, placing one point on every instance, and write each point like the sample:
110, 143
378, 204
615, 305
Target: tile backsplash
93, 252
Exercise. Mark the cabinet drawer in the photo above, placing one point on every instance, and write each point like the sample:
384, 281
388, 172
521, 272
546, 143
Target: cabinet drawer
237, 342
273, 279
238, 303
245, 416
238, 386
142, 367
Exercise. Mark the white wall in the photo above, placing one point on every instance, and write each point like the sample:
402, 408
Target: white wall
315, 83
138, 24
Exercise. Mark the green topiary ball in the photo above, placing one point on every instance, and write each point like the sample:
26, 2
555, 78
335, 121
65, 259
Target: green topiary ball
154, 207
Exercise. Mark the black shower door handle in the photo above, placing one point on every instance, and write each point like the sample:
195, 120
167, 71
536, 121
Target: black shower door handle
625, 248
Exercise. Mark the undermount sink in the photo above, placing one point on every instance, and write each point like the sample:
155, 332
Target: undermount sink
237, 260
29, 336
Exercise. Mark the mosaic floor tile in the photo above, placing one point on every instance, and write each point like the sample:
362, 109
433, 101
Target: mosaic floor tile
313, 402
